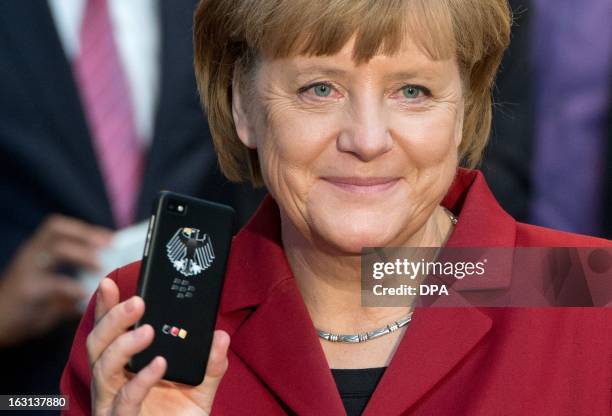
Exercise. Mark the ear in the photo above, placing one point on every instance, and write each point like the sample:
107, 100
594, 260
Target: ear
241, 120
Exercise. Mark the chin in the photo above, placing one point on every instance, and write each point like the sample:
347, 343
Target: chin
350, 232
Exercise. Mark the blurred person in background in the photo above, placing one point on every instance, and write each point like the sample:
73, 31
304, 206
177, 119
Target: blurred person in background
507, 161
98, 112
549, 160
607, 198
572, 54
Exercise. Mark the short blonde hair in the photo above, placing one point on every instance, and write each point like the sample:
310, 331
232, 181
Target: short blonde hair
229, 34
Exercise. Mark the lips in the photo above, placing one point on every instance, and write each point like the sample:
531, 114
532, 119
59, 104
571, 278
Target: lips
362, 184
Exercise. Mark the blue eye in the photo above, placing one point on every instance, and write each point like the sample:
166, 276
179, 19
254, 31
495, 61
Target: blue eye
322, 90
411, 92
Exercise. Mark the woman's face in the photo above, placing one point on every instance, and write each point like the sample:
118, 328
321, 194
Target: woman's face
355, 155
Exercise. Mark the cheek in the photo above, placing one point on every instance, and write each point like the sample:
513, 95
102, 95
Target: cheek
427, 139
290, 143
428, 142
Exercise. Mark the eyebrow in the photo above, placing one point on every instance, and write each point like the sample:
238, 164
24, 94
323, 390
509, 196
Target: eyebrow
319, 69
402, 75
394, 76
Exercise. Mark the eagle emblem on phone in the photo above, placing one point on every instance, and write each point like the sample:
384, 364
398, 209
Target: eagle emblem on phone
189, 252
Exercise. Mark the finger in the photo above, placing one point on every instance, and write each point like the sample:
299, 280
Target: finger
62, 287
62, 298
48, 288
215, 370
58, 226
115, 357
132, 394
107, 296
116, 322
217, 360
74, 252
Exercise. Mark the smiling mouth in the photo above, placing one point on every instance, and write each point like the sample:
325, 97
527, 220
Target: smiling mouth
363, 185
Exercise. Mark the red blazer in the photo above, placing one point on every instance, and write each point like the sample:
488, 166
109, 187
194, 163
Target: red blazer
451, 361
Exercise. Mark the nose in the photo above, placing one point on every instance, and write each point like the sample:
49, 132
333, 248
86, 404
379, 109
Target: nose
366, 134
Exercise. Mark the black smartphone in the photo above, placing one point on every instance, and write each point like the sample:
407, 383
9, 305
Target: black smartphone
181, 279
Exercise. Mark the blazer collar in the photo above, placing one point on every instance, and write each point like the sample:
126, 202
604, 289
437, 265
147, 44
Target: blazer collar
482, 222
275, 336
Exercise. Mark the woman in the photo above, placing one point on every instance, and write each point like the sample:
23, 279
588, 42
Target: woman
355, 115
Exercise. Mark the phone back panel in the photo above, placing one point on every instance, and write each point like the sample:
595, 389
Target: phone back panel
181, 279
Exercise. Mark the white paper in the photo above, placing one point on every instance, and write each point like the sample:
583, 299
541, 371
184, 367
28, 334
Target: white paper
127, 246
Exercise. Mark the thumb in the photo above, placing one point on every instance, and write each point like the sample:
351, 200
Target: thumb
215, 370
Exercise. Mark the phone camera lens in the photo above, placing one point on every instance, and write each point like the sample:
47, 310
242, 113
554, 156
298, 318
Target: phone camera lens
177, 207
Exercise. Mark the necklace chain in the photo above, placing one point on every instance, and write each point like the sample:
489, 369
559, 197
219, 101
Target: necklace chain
453, 218
366, 336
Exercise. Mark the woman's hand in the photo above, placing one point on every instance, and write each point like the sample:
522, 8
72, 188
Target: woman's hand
117, 392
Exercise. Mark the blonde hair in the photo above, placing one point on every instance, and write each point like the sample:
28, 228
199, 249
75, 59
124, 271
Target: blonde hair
230, 34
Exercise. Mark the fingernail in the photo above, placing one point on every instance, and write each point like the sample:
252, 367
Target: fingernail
156, 362
139, 332
130, 305
99, 296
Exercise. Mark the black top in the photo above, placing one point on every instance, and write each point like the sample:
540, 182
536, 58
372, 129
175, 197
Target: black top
356, 387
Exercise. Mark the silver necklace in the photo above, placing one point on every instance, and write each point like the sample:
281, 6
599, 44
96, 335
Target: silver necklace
387, 329
452, 217
365, 336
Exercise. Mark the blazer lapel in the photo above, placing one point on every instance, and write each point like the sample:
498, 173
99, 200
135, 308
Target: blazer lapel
277, 340
45, 62
279, 343
434, 343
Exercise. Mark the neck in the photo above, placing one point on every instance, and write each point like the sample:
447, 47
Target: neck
330, 281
